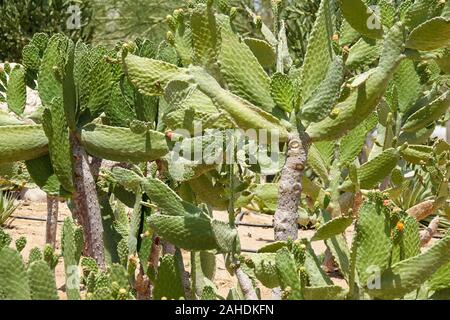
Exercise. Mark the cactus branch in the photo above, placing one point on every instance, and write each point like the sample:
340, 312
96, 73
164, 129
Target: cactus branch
95, 165
246, 285
290, 188
52, 220
427, 234
422, 210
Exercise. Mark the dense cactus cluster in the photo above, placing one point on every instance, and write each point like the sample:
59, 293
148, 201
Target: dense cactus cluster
353, 118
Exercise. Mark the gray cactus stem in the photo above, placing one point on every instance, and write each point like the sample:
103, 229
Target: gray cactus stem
243, 279
428, 233
290, 188
86, 203
246, 285
52, 220
95, 165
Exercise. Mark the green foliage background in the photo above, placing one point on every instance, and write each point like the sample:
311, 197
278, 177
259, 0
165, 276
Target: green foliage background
19, 20
107, 21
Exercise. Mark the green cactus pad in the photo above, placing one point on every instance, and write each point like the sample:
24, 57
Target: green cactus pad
42, 173
363, 99
120, 144
241, 69
206, 192
205, 37
209, 293
317, 277
324, 293
326, 95
13, 277
42, 281
288, 274
407, 275
71, 249
431, 35
35, 255
332, 228
374, 171
373, 240
243, 112
341, 253
22, 143
427, 114
353, 142
55, 127
190, 232
150, 76
441, 278
21, 243
263, 51
318, 49
417, 154
49, 85
282, 91
16, 91
363, 53
407, 83
203, 268
361, 17
31, 57
169, 283
266, 270
164, 197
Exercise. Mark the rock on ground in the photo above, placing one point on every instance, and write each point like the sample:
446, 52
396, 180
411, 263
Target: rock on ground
33, 195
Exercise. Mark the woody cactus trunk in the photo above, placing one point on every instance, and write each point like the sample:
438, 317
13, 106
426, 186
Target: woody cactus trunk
59, 85
290, 188
52, 220
55, 158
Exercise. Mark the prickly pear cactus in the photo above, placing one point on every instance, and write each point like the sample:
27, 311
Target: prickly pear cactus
353, 103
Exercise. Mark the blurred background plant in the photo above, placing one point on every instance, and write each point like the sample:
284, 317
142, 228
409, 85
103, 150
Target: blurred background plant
107, 21
123, 20
20, 19
8, 205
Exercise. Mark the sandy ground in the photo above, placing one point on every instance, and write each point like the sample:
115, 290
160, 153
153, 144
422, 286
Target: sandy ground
34, 231
251, 239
